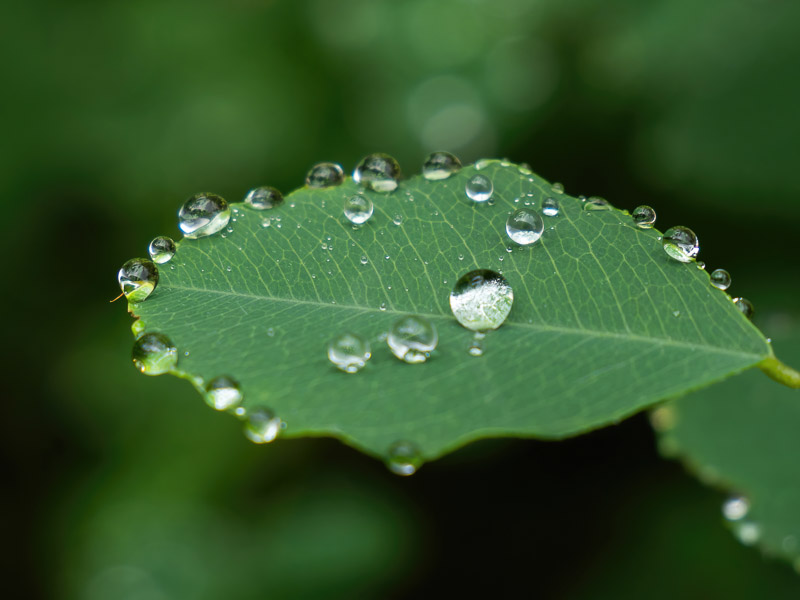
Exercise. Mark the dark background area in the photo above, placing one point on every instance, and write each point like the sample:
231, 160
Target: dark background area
127, 487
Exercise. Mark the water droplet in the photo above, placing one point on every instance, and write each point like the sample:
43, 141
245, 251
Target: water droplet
412, 339
161, 249
481, 300
700, 264
747, 532
680, 243
643, 217
596, 203
476, 346
482, 163
440, 165
262, 426
270, 332
324, 175
744, 305
137, 328
349, 352
364, 260
358, 209
558, 188
382, 306
223, 393
378, 172
404, 458
263, 198
138, 278
676, 313
154, 354
721, 279
479, 188
735, 508
524, 226
397, 220
203, 215
550, 207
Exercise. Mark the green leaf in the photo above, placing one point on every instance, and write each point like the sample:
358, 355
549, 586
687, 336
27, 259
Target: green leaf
603, 324
742, 436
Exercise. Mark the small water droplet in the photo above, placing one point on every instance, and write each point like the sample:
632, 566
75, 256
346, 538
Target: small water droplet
747, 532
735, 508
325, 174
440, 165
378, 172
398, 220
137, 279
524, 226
595, 203
745, 306
358, 209
404, 458
481, 300
550, 207
479, 188
263, 198
476, 346
154, 354
161, 249
557, 188
270, 332
203, 215
680, 243
382, 307
460, 257
644, 217
223, 393
349, 352
700, 264
262, 426
412, 339
676, 313
364, 260
482, 163
721, 279
138, 327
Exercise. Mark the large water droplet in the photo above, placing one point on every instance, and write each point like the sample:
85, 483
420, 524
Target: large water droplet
721, 279
412, 339
261, 426
524, 226
161, 249
154, 354
745, 306
263, 198
479, 188
596, 203
644, 217
324, 175
680, 243
202, 215
138, 278
223, 393
735, 508
481, 300
404, 458
349, 352
378, 172
440, 165
550, 207
358, 209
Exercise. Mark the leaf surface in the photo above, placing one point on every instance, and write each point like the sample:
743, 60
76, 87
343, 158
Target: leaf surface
603, 323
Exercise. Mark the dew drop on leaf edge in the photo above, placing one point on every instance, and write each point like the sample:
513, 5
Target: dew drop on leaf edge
595, 203
745, 307
524, 226
263, 198
203, 215
644, 217
440, 165
481, 300
137, 279
378, 172
161, 249
154, 354
735, 508
223, 393
681, 244
403, 458
261, 425
479, 188
324, 174
720, 279
412, 338
358, 209
349, 352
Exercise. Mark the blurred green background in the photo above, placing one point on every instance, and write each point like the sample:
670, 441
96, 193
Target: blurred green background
126, 487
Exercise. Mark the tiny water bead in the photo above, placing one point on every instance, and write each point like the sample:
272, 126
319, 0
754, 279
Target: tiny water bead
479, 188
349, 352
358, 209
680, 243
161, 249
378, 172
481, 300
262, 426
324, 175
404, 458
138, 278
440, 165
558, 188
745, 306
595, 203
412, 339
223, 393
735, 508
203, 215
263, 198
154, 354
721, 279
476, 345
550, 207
524, 226
644, 217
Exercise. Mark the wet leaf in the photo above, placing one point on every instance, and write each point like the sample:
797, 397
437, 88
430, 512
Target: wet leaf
603, 323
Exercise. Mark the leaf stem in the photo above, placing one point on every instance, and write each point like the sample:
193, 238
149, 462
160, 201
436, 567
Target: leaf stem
780, 372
